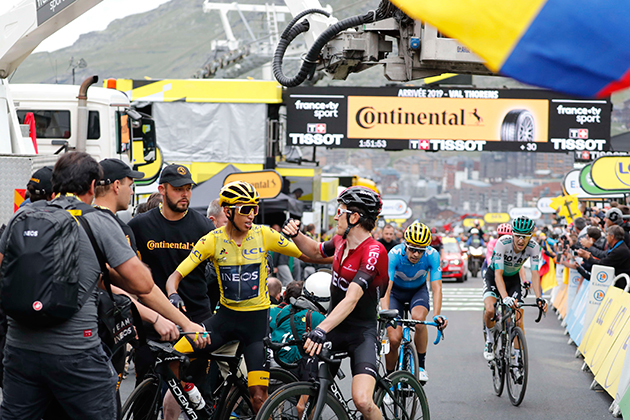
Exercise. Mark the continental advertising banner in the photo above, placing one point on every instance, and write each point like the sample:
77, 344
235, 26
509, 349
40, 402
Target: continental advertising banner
449, 119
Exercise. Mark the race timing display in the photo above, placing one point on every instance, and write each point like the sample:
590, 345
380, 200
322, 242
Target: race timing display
446, 119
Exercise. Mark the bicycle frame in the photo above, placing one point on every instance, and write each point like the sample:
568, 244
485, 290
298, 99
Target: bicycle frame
327, 382
162, 371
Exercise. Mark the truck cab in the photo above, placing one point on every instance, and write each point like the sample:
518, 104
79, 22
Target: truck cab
55, 111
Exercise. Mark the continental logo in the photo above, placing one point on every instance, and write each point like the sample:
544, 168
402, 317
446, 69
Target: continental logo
182, 170
151, 245
369, 117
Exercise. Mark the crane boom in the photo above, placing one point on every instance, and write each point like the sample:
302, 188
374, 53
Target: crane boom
29, 22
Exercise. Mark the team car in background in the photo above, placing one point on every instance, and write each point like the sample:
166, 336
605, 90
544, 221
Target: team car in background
454, 261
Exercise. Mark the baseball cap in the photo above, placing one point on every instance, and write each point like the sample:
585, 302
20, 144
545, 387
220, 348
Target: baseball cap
615, 215
176, 175
42, 180
115, 169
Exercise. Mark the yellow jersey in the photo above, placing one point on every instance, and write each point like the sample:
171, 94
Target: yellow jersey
241, 270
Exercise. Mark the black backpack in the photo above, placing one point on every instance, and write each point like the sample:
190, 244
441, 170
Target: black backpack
40, 269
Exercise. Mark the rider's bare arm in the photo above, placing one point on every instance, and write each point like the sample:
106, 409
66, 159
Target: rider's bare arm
500, 283
385, 299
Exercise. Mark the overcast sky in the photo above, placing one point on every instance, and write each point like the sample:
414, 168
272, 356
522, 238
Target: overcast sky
95, 19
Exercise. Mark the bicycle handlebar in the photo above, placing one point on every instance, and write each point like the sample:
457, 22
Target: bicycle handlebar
440, 334
535, 305
276, 347
522, 304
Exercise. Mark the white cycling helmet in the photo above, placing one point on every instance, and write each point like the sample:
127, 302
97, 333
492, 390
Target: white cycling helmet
317, 289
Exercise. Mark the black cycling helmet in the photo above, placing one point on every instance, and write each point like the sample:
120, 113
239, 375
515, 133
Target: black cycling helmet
367, 201
363, 198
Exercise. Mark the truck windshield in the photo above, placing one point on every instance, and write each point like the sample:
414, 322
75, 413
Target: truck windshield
49, 124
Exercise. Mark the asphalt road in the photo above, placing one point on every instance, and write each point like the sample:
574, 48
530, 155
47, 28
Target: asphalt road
460, 384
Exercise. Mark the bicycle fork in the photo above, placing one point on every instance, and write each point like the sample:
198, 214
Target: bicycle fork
401, 352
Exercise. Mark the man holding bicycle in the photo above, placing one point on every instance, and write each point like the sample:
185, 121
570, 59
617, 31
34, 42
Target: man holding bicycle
410, 265
502, 279
359, 280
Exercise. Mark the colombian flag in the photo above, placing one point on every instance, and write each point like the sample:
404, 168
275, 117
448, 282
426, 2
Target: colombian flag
579, 47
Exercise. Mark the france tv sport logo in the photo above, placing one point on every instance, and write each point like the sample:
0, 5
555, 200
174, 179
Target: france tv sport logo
316, 128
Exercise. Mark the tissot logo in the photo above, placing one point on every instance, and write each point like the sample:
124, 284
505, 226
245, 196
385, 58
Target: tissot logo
316, 128
316, 139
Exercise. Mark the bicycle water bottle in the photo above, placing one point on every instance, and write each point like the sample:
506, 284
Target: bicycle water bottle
194, 395
385, 345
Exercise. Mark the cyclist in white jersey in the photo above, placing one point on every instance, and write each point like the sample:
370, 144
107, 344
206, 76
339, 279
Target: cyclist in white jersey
502, 279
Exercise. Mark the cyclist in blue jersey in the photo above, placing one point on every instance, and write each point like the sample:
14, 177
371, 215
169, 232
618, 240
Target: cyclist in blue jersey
411, 263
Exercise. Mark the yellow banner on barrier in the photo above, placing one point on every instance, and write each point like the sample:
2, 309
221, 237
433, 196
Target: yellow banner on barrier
613, 323
610, 309
610, 370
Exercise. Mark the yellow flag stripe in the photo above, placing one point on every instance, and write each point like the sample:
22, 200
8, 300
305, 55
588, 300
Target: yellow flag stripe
491, 28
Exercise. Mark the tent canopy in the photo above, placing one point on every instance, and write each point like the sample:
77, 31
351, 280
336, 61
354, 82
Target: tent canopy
208, 190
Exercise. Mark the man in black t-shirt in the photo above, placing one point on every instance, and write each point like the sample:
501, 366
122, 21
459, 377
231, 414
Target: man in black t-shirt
165, 236
388, 237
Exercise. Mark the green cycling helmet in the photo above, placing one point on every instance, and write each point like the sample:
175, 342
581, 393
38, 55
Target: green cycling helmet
523, 225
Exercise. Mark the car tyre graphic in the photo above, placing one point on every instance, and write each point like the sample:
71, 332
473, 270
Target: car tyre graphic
518, 125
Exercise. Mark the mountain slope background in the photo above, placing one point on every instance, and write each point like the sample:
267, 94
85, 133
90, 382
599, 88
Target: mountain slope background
174, 41
171, 41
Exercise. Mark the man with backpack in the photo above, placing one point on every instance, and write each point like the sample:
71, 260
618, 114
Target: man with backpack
49, 275
302, 312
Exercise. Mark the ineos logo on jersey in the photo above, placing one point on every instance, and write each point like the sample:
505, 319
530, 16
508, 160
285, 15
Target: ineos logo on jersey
372, 258
339, 282
228, 277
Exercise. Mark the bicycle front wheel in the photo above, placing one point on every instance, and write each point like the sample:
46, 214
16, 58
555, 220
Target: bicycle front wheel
517, 370
497, 366
279, 377
409, 402
410, 359
296, 401
144, 402
238, 405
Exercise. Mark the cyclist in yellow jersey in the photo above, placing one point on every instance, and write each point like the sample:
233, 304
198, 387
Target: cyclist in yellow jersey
238, 252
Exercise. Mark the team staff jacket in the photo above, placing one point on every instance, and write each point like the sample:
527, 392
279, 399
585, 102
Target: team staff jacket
504, 258
163, 244
241, 270
366, 265
408, 276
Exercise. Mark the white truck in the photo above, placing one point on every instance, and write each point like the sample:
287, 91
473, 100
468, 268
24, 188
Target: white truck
60, 118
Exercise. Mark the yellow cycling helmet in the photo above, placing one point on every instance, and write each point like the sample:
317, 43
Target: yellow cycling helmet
238, 192
417, 234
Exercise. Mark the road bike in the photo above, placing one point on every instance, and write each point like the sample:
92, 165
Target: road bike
399, 395
230, 399
510, 363
407, 353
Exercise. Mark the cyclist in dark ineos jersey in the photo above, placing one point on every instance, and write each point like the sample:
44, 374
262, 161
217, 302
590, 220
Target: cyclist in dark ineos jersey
359, 280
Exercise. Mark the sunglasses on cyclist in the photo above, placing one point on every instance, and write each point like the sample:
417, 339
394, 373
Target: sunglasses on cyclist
518, 236
246, 209
341, 211
415, 250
